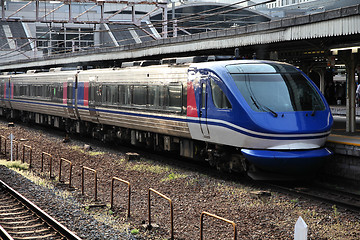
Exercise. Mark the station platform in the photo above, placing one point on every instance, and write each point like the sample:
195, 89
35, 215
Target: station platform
346, 147
338, 132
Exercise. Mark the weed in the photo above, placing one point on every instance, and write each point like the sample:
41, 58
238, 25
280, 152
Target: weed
336, 212
15, 165
149, 168
90, 153
173, 176
296, 200
134, 231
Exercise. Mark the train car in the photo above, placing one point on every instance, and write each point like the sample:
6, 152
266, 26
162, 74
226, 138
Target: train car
241, 115
46, 97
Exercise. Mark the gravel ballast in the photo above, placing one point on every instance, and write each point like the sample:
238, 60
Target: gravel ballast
271, 215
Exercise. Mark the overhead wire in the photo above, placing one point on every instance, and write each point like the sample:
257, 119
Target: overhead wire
184, 19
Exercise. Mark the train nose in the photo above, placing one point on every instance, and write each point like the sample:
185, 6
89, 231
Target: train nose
288, 162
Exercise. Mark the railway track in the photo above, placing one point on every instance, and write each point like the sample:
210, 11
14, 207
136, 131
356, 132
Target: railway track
21, 219
339, 198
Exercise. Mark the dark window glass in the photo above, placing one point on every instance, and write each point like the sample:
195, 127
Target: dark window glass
70, 91
279, 92
124, 94
106, 96
2, 89
121, 95
92, 93
48, 91
139, 95
175, 93
154, 96
128, 94
203, 96
219, 98
59, 92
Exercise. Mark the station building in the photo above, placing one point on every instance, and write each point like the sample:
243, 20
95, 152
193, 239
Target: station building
51, 35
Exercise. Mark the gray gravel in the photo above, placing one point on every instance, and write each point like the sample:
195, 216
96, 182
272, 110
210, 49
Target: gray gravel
63, 207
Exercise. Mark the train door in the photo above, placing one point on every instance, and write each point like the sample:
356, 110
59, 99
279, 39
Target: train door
71, 98
76, 97
8, 93
2, 93
94, 93
204, 108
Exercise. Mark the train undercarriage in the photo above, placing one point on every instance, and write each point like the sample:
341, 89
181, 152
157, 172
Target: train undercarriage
221, 157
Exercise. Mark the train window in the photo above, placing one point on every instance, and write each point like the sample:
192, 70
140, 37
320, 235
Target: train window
32, 90
139, 95
69, 91
22, 90
175, 93
203, 95
154, 96
16, 90
128, 95
163, 96
106, 96
109, 95
278, 92
121, 95
124, 95
114, 94
47, 91
219, 98
98, 94
59, 92
92, 93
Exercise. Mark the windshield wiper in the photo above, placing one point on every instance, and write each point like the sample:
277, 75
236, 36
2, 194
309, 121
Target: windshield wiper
274, 113
263, 107
256, 105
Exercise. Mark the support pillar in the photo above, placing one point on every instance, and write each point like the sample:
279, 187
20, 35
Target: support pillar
164, 22
3, 9
322, 81
37, 10
350, 94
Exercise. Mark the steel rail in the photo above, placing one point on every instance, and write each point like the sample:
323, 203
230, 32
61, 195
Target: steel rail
4, 235
332, 196
61, 229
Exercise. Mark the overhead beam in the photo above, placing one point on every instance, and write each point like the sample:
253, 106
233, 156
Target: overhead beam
102, 18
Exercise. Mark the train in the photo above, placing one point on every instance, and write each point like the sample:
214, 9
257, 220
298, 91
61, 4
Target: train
252, 116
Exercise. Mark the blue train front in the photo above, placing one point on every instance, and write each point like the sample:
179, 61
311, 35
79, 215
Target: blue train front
270, 112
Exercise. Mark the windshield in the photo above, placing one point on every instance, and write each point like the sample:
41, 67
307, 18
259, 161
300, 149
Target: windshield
275, 88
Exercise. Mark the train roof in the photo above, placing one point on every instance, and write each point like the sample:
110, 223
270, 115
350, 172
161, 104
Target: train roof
233, 62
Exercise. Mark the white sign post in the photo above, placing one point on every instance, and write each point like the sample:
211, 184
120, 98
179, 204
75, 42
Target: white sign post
11, 146
301, 230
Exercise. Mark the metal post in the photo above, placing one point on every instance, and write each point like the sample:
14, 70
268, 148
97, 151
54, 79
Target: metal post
171, 210
133, 17
112, 193
164, 22
82, 180
175, 28
350, 96
322, 80
70, 170
217, 217
11, 146
2, 9
70, 11
37, 10
102, 11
